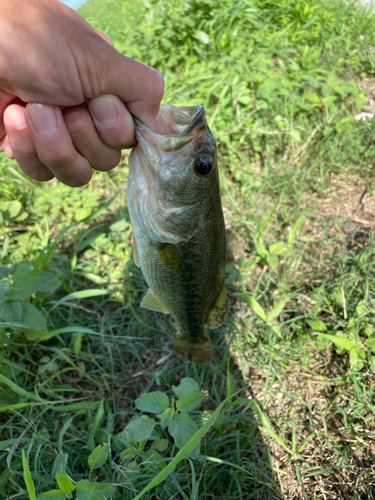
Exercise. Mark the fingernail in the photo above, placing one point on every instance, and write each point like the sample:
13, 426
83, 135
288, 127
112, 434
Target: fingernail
17, 117
104, 110
44, 119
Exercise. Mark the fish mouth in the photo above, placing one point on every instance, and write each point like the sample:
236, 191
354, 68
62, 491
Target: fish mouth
177, 129
174, 128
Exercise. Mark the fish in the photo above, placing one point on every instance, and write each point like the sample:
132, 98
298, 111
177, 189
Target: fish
179, 240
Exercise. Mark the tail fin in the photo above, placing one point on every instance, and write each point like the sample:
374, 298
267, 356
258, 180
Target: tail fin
198, 352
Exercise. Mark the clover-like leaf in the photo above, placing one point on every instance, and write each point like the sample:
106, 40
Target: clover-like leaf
182, 429
190, 401
153, 402
138, 429
94, 491
98, 457
186, 385
65, 483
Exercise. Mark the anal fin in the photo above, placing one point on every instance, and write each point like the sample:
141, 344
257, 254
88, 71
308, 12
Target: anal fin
150, 301
217, 314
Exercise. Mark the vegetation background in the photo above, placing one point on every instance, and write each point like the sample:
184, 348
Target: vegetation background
88, 386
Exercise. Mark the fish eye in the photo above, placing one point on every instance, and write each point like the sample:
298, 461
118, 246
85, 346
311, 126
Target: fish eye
203, 165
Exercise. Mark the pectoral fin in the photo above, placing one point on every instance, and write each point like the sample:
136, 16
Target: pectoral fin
135, 252
150, 301
217, 314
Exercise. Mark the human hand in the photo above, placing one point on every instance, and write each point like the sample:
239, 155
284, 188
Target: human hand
66, 94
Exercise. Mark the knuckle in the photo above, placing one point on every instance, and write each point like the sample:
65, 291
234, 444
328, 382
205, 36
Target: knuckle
78, 122
37, 172
24, 153
108, 163
57, 159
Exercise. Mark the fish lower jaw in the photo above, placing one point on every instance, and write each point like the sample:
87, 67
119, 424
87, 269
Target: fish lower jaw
198, 352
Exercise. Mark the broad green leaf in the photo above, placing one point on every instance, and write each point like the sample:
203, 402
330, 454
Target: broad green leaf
186, 385
59, 465
98, 457
272, 260
277, 248
65, 483
295, 135
94, 491
27, 477
155, 461
317, 325
260, 247
4, 289
189, 446
362, 308
356, 356
202, 37
370, 343
127, 454
321, 342
33, 282
32, 317
56, 494
190, 401
276, 328
277, 310
255, 306
166, 417
369, 330
11, 311
7, 396
36, 335
339, 341
160, 445
138, 429
182, 429
10, 209
153, 402
21, 270
5, 270
343, 335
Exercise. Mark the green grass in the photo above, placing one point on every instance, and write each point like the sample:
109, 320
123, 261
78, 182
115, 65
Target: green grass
280, 84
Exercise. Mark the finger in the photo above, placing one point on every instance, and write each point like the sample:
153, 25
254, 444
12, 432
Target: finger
86, 139
54, 145
113, 121
19, 145
104, 36
5, 100
7, 149
139, 86
5, 146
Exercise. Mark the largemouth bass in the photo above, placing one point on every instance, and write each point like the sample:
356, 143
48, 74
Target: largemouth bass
178, 225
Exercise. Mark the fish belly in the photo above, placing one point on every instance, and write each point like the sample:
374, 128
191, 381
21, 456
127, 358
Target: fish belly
187, 278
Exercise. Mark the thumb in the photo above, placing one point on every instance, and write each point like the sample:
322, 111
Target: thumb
139, 86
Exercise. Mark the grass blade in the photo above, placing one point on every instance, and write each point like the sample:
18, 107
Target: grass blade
27, 477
